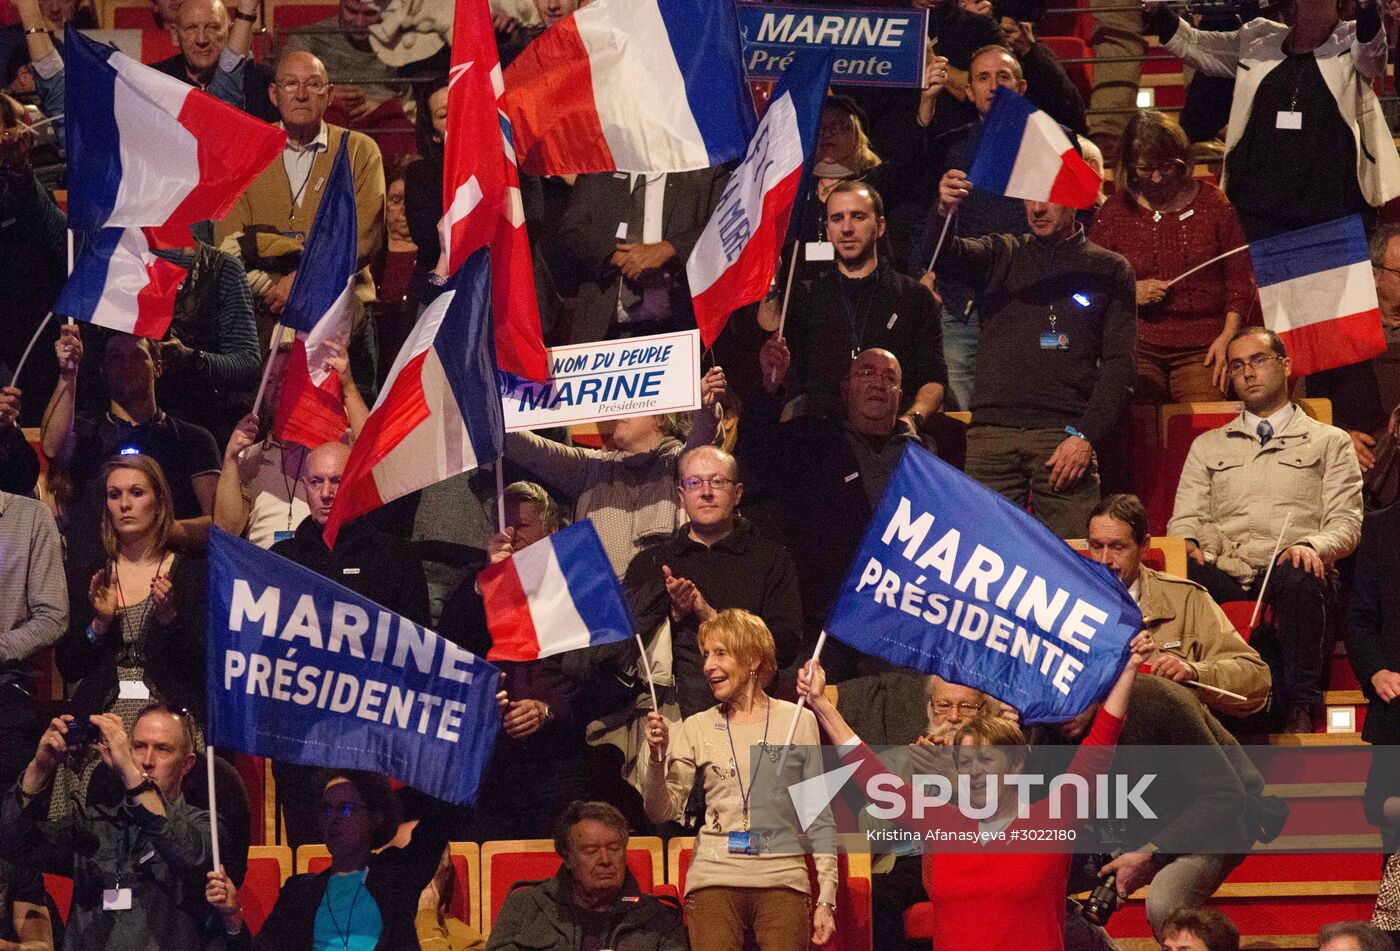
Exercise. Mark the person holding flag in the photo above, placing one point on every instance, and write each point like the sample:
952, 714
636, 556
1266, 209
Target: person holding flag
1058, 328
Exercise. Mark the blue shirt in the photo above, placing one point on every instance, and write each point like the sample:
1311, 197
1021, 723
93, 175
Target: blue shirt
348, 918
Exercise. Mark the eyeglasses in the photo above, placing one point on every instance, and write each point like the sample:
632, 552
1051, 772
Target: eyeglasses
1256, 363
313, 86
718, 483
343, 809
946, 706
1174, 167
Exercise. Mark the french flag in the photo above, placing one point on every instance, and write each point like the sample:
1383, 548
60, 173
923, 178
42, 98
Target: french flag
145, 149
119, 283
439, 413
481, 199
1318, 293
1025, 154
632, 86
736, 256
319, 308
557, 595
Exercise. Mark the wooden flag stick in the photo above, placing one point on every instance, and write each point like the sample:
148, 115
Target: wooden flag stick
213, 805
801, 701
1186, 274
14, 380
274, 341
1254, 618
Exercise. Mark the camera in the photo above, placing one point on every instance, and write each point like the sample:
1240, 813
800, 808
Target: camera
82, 734
1102, 902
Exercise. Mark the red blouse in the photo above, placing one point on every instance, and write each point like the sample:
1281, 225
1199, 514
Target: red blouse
1193, 312
999, 898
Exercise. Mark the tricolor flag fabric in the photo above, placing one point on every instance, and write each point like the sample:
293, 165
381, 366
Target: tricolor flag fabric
632, 86
481, 192
1317, 292
1025, 154
736, 256
320, 308
559, 594
439, 412
145, 149
119, 283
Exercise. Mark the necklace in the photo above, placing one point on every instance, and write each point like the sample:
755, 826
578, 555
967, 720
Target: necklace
344, 933
763, 745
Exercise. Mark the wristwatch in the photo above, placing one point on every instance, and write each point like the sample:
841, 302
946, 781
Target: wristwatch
146, 784
246, 17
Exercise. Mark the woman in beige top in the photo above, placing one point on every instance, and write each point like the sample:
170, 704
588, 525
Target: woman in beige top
731, 890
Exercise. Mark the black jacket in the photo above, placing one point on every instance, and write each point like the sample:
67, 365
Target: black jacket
540, 917
839, 316
256, 80
396, 877
174, 652
367, 561
1373, 619
744, 570
1020, 283
809, 467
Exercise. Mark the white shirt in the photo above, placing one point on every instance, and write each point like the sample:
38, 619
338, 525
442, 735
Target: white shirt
1278, 421
297, 162
652, 209
271, 490
1135, 590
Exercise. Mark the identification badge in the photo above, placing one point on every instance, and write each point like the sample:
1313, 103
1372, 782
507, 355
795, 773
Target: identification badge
116, 899
349, 571
1050, 340
133, 690
282, 536
744, 843
1186, 214
1289, 120
890, 325
622, 231
819, 251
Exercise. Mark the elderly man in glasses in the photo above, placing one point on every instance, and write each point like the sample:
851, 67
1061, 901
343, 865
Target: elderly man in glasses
272, 218
1239, 485
713, 562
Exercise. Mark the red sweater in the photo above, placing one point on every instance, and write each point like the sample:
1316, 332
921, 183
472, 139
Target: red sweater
989, 900
1193, 312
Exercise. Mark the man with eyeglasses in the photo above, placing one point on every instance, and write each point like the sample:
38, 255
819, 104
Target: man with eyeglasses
138, 866
366, 560
717, 560
1241, 482
1194, 640
270, 221
825, 476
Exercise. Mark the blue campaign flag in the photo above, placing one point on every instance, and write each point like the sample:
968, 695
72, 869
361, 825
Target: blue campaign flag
954, 580
303, 670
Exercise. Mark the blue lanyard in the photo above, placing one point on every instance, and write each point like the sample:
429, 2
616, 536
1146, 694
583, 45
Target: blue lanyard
744, 796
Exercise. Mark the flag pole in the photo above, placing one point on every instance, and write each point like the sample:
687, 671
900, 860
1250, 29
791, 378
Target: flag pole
70, 264
787, 290
501, 493
646, 665
1193, 270
14, 380
942, 237
1270, 570
213, 806
797, 714
273, 342
1220, 690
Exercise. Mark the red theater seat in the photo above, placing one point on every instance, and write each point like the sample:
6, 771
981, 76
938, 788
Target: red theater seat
520, 860
268, 867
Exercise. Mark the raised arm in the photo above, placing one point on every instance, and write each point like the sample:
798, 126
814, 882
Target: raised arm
56, 439
669, 771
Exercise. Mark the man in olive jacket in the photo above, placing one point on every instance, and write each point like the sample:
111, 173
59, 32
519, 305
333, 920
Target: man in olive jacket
592, 901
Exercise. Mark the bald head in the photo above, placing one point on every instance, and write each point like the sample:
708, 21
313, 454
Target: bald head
301, 92
201, 31
321, 478
872, 390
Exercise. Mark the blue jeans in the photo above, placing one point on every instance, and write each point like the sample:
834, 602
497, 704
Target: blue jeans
960, 352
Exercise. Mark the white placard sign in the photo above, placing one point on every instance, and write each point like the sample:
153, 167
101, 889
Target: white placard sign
612, 379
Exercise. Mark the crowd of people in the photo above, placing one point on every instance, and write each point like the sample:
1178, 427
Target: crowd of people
730, 529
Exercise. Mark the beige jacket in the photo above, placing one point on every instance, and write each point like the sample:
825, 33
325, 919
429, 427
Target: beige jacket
1183, 620
268, 201
1234, 494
